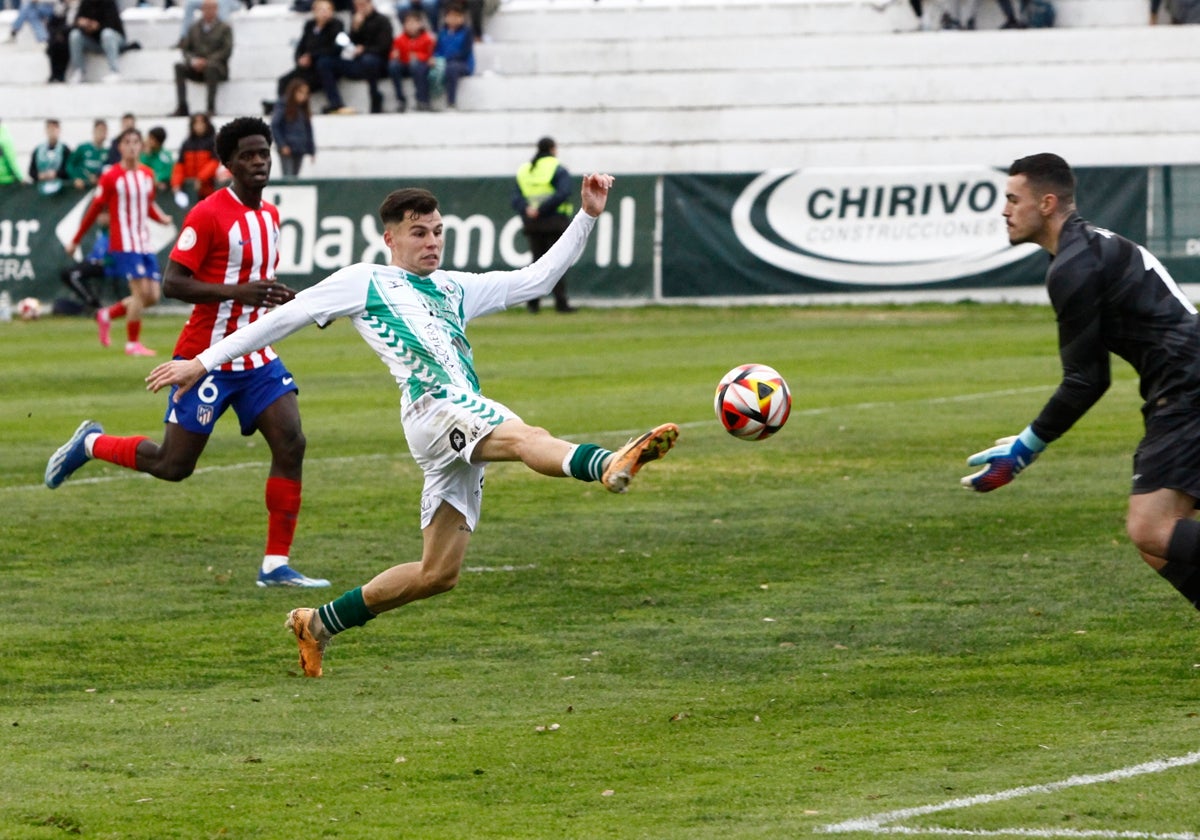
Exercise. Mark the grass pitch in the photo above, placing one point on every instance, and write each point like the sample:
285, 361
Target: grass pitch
760, 640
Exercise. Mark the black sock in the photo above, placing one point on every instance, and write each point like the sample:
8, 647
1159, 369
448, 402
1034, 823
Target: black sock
1182, 569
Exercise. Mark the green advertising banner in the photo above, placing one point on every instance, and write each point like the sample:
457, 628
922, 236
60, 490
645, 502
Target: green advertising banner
814, 231
327, 225
784, 233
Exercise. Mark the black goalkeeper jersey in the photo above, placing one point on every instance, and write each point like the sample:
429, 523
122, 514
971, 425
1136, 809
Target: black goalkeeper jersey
1111, 295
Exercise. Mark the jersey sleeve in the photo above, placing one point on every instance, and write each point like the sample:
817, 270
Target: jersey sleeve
195, 240
1076, 290
494, 291
341, 294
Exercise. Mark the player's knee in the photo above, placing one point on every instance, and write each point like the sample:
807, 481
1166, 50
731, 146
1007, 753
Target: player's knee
290, 449
173, 471
1150, 535
437, 580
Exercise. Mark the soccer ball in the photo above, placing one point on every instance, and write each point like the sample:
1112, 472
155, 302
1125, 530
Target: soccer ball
752, 402
30, 309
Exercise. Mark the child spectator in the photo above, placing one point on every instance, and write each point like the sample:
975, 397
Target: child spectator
58, 33
87, 161
411, 53
197, 164
48, 163
291, 125
428, 8
158, 158
456, 51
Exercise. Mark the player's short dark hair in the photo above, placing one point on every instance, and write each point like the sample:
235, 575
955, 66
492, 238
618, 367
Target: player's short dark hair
1047, 173
405, 202
158, 133
232, 133
128, 131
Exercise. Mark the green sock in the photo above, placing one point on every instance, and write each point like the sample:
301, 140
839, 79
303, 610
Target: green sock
587, 462
348, 610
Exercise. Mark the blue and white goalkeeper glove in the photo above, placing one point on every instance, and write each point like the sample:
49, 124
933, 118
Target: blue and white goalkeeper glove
1003, 461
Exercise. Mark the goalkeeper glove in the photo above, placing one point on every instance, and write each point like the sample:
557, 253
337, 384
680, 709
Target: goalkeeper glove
1003, 461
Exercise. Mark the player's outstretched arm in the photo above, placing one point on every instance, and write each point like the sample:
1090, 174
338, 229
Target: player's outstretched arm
182, 372
1004, 461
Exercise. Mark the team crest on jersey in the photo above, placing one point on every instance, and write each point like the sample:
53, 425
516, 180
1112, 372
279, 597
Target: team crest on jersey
187, 239
204, 414
457, 440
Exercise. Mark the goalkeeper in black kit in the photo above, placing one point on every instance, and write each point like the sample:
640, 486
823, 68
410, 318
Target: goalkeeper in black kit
1111, 295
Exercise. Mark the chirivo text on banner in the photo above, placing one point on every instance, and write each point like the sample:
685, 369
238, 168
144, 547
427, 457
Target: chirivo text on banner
808, 231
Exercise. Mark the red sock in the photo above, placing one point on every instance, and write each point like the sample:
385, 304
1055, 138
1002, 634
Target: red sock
117, 310
133, 331
121, 451
283, 507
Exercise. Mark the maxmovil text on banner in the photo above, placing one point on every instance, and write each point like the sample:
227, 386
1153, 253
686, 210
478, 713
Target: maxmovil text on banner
879, 227
321, 231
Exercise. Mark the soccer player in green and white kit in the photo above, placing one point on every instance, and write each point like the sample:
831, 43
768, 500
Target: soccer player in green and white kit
413, 315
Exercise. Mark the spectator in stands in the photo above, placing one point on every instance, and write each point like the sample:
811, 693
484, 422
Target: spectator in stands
542, 199
197, 166
291, 125
456, 51
206, 51
364, 56
36, 13
412, 51
87, 161
428, 8
156, 156
58, 32
10, 170
128, 120
1182, 11
1012, 19
48, 163
97, 29
225, 10
318, 38
959, 14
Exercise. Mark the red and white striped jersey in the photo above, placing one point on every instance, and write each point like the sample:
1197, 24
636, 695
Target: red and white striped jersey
224, 241
128, 196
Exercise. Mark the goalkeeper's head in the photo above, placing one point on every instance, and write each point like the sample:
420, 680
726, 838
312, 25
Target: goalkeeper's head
1047, 173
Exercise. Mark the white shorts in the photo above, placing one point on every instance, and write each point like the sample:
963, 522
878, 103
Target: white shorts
442, 433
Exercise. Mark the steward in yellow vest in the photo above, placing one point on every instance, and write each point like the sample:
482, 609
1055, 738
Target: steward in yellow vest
542, 198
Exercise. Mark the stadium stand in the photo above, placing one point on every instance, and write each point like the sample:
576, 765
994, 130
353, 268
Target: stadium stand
648, 86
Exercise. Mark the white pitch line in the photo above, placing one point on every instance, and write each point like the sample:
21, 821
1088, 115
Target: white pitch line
878, 824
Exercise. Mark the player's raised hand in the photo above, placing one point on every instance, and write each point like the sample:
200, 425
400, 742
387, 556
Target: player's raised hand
182, 372
594, 193
1003, 462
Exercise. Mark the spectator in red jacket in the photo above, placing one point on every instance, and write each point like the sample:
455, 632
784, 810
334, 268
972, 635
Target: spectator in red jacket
412, 52
197, 166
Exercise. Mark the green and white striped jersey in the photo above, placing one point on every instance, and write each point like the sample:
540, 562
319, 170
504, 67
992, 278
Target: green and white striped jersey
416, 325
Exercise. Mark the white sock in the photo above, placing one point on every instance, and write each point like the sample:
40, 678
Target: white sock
271, 562
88, 442
566, 465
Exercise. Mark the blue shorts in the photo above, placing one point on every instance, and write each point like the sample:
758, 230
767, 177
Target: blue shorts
250, 392
129, 265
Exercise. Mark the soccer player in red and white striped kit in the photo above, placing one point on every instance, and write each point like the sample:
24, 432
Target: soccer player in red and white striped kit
224, 264
126, 191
